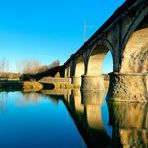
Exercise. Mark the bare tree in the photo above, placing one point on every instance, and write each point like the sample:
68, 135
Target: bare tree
28, 66
19, 66
4, 65
48, 67
34, 66
54, 64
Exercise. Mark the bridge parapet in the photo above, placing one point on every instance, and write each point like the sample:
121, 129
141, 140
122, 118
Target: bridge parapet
57, 82
54, 80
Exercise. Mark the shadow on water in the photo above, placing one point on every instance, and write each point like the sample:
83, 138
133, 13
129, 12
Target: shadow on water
101, 123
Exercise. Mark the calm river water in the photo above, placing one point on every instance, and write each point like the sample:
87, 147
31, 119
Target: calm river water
72, 120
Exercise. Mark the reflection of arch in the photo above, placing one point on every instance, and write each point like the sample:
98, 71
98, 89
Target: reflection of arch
97, 55
129, 122
93, 102
87, 121
79, 107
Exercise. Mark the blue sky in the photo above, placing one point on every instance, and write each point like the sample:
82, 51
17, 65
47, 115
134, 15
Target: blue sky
48, 30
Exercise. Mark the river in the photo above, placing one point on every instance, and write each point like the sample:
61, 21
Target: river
71, 120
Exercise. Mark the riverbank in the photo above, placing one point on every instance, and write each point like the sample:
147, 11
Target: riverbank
12, 85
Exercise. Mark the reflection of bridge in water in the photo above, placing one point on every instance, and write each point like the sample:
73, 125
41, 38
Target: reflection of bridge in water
128, 120
130, 124
125, 35
85, 109
57, 82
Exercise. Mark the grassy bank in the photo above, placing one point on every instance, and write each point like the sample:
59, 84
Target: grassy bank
32, 86
26, 86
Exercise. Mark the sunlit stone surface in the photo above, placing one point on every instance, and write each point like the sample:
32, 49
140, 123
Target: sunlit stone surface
128, 87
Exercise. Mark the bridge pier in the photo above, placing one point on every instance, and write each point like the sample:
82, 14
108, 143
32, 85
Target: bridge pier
128, 87
93, 83
76, 81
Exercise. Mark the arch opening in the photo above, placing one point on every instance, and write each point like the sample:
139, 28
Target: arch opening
100, 61
107, 65
57, 75
49, 86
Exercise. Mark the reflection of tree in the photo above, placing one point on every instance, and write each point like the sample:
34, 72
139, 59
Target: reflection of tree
4, 65
32, 97
29, 98
3, 101
130, 124
54, 99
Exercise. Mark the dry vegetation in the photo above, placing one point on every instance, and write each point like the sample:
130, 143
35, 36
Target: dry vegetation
34, 66
32, 86
30, 71
4, 65
9, 76
25, 68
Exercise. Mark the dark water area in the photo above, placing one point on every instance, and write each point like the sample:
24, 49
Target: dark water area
72, 120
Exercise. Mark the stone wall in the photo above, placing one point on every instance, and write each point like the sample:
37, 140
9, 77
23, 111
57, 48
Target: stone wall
57, 82
128, 87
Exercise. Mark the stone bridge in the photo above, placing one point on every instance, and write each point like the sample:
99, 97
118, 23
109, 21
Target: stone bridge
57, 82
125, 35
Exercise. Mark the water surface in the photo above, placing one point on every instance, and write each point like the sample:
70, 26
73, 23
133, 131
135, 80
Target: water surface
33, 120
71, 120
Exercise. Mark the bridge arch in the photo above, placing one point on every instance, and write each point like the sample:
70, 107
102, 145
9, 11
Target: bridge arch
96, 57
135, 52
93, 79
137, 22
132, 77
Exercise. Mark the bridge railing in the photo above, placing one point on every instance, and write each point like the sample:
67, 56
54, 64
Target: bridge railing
55, 80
